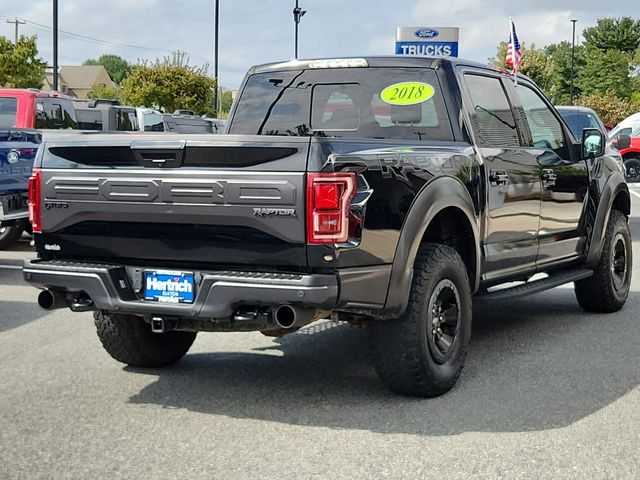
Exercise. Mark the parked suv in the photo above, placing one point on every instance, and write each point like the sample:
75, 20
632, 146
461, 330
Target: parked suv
106, 116
390, 192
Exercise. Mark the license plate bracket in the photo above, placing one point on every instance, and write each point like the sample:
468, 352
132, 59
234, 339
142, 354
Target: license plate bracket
169, 286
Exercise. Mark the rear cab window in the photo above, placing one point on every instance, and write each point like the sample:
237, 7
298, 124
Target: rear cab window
89, 119
374, 102
126, 120
152, 122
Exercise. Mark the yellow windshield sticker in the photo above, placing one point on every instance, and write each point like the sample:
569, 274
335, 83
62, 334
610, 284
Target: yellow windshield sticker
407, 93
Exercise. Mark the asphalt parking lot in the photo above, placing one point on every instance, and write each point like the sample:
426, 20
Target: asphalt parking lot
548, 392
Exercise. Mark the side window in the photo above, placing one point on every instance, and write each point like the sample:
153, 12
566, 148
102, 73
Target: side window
546, 129
41, 115
8, 112
57, 119
492, 116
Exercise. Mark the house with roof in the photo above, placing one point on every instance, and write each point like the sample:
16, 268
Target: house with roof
76, 80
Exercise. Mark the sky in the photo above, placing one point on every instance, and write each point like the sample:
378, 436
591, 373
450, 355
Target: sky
261, 31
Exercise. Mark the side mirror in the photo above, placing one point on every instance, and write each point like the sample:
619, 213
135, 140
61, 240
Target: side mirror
593, 143
624, 141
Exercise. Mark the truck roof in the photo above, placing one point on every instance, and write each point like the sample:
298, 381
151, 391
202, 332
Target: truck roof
30, 92
375, 61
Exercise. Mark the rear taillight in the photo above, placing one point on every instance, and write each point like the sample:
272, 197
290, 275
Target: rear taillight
35, 200
328, 198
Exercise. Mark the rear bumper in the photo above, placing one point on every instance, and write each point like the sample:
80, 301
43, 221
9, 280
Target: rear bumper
219, 294
13, 206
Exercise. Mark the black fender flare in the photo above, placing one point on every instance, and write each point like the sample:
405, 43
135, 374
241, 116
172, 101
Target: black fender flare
437, 195
612, 188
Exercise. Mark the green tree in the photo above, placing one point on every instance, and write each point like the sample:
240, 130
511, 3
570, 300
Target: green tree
226, 99
606, 71
20, 66
169, 84
117, 67
538, 66
99, 90
535, 64
499, 60
559, 89
622, 34
611, 108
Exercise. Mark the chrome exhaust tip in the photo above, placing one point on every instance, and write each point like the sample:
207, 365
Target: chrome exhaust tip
285, 316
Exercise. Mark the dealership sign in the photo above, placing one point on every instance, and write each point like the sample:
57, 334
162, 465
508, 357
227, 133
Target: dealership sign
427, 41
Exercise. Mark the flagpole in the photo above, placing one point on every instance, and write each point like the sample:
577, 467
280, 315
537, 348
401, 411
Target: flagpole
512, 38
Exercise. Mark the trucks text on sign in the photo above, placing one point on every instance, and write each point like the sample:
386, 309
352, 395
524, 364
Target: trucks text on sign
427, 42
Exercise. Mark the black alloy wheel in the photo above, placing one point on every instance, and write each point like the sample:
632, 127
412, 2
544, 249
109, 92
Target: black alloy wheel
619, 269
444, 320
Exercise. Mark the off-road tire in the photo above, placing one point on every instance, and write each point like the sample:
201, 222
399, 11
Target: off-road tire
9, 236
402, 352
129, 340
599, 293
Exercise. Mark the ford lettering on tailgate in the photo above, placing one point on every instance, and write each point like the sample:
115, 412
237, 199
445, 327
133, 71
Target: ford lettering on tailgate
182, 191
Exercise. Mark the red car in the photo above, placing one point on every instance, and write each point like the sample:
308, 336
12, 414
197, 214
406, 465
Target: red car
630, 126
29, 108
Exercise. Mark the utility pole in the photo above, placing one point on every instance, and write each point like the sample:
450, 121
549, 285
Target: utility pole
55, 45
298, 13
573, 58
17, 24
215, 57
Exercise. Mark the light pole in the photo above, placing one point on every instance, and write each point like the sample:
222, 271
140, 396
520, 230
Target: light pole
573, 58
298, 13
215, 56
55, 45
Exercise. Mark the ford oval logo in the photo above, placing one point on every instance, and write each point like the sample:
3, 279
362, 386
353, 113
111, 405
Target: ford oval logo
427, 33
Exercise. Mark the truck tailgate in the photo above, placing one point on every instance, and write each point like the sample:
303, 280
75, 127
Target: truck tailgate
157, 200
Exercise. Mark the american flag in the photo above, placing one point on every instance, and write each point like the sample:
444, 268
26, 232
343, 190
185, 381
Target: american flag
514, 50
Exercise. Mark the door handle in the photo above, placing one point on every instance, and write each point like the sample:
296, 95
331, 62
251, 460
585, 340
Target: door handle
498, 178
549, 177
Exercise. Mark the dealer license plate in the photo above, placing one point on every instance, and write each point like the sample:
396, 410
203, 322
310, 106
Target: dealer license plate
169, 287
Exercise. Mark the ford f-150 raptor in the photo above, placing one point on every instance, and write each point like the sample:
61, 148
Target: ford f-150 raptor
387, 191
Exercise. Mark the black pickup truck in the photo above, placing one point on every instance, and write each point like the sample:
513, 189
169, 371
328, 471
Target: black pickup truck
393, 192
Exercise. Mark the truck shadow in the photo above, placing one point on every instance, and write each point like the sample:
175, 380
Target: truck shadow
16, 314
527, 371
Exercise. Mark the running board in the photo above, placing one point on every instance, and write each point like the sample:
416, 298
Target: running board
536, 286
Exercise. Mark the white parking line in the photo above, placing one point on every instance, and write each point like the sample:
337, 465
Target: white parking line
634, 193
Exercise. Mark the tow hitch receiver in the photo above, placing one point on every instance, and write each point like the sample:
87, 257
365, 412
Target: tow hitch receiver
162, 325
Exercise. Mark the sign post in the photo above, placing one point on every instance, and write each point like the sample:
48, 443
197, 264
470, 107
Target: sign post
427, 41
